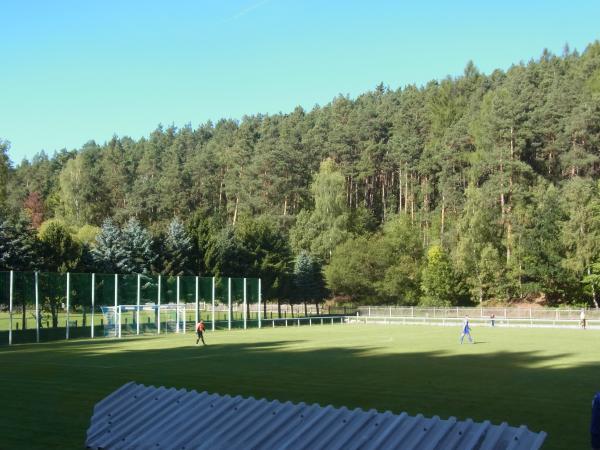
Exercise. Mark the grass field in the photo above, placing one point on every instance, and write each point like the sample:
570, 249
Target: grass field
542, 378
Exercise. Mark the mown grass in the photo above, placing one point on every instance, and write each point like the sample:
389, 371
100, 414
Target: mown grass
542, 378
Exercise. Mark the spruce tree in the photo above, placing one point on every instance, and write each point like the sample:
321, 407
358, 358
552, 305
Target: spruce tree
308, 279
138, 248
109, 254
178, 248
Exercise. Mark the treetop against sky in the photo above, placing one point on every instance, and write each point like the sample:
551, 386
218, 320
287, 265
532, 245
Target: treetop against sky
76, 71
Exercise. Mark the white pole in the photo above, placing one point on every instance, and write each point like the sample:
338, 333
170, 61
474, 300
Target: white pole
245, 309
137, 312
184, 319
37, 309
93, 300
229, 303
177, 315
213, 303
158, 312
117, 309
196, 315
68, 300
10, 308
259, 302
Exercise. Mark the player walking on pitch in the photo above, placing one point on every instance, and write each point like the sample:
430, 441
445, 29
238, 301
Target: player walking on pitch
466, 331
200, 332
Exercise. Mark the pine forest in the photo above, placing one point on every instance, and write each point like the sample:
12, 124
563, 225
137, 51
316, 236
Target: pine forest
480, 188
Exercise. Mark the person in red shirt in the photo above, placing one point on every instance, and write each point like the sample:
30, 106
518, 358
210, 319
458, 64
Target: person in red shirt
200, 331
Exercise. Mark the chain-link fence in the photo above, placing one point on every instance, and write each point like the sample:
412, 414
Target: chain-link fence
41, 306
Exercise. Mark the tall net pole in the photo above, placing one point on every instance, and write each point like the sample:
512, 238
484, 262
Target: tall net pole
213, 303
259, 302
158, 312
245, 306
229, 303
117, 309
137, 312
10, 307
177, 317
196, 315
184, 315
93, 303
37, 309
68, 301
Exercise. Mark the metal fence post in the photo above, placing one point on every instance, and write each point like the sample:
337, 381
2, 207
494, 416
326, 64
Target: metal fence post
68, 301
259, 301
229, 303
93, 302
158, 311
530, 317
37, 309
213, 303
245, 306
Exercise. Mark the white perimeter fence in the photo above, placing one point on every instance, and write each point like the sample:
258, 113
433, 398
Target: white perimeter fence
503, 317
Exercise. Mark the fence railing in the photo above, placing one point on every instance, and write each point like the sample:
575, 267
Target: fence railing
303, 321
475, 321
555, 314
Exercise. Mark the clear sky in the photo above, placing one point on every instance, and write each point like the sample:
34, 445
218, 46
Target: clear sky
76, 70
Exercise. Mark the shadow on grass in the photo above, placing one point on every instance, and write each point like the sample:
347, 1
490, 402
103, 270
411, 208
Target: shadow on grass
53, 390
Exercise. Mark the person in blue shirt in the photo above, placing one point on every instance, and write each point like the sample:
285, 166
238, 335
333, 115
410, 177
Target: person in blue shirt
466, 331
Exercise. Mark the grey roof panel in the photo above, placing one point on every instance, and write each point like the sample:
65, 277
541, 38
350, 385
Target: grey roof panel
143, 417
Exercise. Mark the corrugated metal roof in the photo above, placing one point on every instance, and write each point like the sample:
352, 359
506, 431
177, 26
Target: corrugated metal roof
145, 417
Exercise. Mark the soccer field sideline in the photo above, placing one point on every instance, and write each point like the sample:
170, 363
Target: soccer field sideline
541, 378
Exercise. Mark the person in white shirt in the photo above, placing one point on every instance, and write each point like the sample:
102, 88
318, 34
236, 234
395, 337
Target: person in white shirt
582, 319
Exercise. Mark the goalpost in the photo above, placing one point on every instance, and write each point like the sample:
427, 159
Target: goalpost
127, 320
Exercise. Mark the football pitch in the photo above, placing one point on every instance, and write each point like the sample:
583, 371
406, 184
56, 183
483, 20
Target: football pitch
542, 378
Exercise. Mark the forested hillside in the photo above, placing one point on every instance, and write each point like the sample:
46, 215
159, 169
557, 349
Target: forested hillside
467, 189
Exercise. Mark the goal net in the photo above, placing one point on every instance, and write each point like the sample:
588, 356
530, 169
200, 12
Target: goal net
124, 320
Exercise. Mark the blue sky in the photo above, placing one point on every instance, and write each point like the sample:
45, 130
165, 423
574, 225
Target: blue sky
71, 71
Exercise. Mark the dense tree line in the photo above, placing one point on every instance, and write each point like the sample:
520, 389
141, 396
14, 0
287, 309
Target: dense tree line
466, 189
